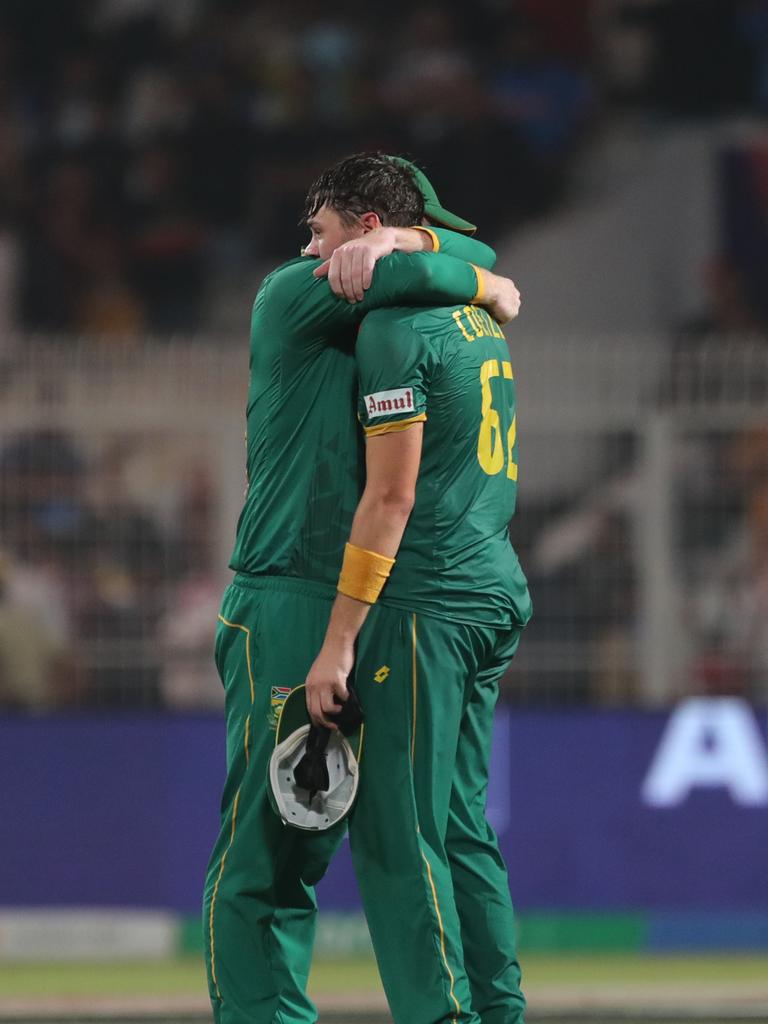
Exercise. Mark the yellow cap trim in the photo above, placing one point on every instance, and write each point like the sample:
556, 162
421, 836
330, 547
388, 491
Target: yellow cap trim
432, 235
480, 293
363, 573
391, 428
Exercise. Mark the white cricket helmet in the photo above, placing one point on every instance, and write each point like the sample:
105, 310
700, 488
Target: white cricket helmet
300, 807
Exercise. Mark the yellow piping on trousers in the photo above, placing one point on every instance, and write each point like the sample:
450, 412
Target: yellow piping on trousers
429, 869
442, 933
236, 625
244, 629
216, 890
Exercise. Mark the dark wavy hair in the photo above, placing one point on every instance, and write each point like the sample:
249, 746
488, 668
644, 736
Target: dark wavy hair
367, 182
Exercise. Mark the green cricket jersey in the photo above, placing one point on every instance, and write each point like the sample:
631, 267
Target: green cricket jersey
304, 458
452, 368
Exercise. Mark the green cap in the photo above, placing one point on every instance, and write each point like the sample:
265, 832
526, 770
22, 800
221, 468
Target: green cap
432, 206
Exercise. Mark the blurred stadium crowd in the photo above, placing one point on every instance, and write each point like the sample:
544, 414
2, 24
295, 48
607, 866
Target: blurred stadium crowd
154, 156
107, 598
152, 149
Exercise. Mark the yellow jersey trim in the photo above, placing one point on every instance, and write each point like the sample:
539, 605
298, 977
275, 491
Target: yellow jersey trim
432, 235
480, 293
391, 428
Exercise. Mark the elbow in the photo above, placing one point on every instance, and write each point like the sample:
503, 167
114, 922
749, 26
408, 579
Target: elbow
425, 275
396, 503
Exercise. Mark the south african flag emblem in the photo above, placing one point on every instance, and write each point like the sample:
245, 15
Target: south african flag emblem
277, 699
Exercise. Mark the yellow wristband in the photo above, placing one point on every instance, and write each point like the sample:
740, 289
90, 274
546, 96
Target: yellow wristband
363, 573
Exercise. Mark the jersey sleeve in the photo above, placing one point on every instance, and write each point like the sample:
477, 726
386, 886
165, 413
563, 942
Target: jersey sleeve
394, 367
309, 308
453, 243
420, 279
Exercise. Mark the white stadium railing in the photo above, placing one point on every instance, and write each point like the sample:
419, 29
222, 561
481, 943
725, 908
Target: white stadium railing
642, 521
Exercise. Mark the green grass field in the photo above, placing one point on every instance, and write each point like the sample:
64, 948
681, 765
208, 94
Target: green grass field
172, 977
560, 988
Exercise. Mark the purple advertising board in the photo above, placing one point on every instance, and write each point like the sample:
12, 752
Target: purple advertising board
599, 810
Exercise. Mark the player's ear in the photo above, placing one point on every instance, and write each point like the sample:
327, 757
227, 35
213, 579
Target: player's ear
370, 221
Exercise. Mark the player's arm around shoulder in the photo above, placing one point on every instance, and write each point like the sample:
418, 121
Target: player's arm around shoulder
350, 268
453, 243
298, 300
295, 298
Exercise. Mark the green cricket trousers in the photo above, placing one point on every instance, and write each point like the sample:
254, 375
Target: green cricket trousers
431, 876
259, 907
432, 879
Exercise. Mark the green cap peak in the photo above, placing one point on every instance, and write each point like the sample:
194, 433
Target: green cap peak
433, 208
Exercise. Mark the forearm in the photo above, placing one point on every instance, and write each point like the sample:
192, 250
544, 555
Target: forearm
392, 466
412, 240
492, 291
421, 279
378, 526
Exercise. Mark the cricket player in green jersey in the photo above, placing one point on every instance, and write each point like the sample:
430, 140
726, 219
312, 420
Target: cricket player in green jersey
305, 477
430, 535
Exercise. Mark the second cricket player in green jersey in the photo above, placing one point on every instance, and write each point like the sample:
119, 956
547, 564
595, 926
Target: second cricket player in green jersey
430, 611
452, 368
304, 456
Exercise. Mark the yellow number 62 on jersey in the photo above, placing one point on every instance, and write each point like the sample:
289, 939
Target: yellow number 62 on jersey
490, 447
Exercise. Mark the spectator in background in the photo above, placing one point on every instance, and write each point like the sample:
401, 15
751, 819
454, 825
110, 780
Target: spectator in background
434, 99
729, 586
701, 61
43, 522
584, 578
37, 669
429, 85
545, 103
748, 465
752, 26
187, 627
331, 52
11, 193
55, 239
167, 239
131, 566
110, 307
711, 354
